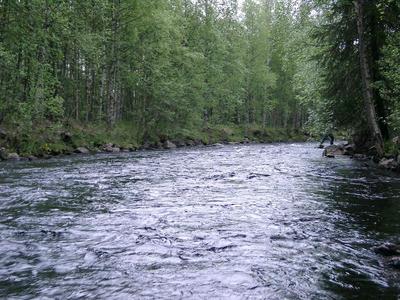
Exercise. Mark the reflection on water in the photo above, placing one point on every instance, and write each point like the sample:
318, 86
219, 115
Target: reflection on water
261, 221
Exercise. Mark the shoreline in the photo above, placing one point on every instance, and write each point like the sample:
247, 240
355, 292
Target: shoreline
123, 150
83, 142
45, 143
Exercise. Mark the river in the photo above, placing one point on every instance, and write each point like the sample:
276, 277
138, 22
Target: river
268, 221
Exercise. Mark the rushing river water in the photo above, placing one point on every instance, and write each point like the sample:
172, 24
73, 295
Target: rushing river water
234, 222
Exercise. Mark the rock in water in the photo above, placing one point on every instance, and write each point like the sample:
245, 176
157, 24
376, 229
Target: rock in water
395, 263
389, 163
82, 150
169, 145
333, 150
388, 249
349, 149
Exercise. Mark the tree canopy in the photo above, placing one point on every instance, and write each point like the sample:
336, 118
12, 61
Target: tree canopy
172, 65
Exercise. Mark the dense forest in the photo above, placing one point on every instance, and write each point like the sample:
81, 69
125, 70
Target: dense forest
139, 71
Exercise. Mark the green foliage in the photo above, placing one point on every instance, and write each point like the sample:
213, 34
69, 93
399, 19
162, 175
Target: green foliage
391, 149
137, 70
339, 79
389, 87
54, 109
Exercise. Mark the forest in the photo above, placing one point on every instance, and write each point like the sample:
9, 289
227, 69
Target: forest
212, 177
134, 71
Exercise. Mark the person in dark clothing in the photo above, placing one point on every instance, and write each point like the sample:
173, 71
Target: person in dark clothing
328, 136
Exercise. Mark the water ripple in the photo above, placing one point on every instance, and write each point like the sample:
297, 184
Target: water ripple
235, 222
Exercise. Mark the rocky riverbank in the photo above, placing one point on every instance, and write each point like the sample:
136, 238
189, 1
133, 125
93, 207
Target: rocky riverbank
13, 147
391, 161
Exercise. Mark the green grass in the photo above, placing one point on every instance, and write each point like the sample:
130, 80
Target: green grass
50, 139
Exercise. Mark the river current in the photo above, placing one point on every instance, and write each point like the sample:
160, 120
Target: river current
268, 221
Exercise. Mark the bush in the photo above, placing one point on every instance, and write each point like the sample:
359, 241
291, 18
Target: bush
54, 109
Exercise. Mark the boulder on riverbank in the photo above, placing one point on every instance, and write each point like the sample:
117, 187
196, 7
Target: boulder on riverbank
169, 145
333, 150
387, 249
392, 251
342, 149
349, 149
179, 143
13, 156
111, 148
217, 145
127, 148
145, 146
82, 150
198, 142
389, 164
395, 263
190, 143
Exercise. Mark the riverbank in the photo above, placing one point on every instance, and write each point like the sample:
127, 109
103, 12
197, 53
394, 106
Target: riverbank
46, 142
390, 161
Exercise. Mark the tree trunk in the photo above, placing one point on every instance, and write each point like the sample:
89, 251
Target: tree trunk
76, 85
88, 95
264, 117
377, 43
366, 80
103, 94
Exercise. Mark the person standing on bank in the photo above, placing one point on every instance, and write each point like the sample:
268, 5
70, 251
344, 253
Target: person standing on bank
328, 136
